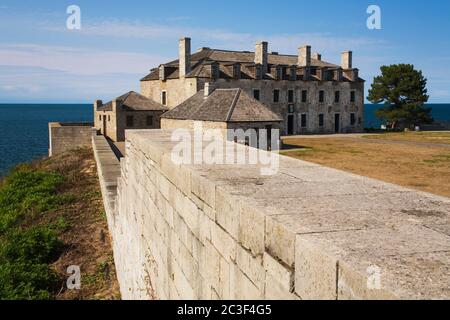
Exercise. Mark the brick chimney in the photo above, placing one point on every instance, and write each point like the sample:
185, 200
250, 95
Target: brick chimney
162, 72
116, 103
347, 60
317, 56
209, 88
97, 104
304, 56
184, 56
261, 55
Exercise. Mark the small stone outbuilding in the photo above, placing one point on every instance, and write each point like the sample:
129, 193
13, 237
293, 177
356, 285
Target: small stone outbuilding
129, 111
222, 109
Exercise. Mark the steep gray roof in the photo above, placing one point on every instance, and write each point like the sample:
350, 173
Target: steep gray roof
223, 105
134, 101
205, 56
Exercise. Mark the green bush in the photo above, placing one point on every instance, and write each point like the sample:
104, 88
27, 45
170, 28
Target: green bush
27, 281
37, 244
28, 193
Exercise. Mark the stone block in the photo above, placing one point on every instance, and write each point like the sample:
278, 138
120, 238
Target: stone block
315, 272
274, 290
251, 266
280, 241
241, 287
204, 189
228, 212
223, 242
283, 274
251, 228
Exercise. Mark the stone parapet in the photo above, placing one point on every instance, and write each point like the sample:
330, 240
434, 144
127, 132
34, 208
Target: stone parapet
307, 232
64, 137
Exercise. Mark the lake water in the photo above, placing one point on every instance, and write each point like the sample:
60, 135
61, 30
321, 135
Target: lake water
24, 127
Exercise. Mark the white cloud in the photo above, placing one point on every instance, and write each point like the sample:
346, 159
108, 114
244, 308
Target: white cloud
77, 60
30, 84
285, 43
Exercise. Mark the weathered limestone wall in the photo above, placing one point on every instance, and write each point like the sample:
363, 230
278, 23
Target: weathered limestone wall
114, 123
178, 90
312, 107
68, 136
309, 232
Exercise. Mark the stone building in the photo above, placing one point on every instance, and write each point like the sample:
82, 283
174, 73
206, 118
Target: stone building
223, 109
129, 111
311, 95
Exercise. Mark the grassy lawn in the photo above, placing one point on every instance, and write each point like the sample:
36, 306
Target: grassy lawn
51, 217
418, 167
432, 137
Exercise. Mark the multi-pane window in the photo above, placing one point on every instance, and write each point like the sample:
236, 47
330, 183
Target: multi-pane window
257, 94
291, 108
321, 120
304, 96
130, 121
215, 71
276, 95
352, 96
352, 119
303, 120
291, 96
337, 96
280, 73
321, 96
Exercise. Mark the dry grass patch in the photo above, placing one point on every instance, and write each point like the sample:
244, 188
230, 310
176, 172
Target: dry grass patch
418, 167
432, 137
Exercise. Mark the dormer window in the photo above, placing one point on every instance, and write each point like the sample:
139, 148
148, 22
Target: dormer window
237, 71
338, 75
279, 73
215, 71
258, 72
293, 73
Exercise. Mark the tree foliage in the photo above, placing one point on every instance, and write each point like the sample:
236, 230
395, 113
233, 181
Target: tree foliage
403, 90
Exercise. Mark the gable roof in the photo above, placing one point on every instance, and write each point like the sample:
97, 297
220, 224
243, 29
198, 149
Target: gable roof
133, 101
223, 105
206, 56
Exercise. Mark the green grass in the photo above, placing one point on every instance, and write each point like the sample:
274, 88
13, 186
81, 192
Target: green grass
27, 249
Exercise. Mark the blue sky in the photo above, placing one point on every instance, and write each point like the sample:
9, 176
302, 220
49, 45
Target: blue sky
42, 61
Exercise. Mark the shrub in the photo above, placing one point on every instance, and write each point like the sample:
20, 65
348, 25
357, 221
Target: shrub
28, 192
27, 281
27, 251
37, 244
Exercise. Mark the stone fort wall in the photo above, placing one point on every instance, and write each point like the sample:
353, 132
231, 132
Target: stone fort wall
68, 136
307, 232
